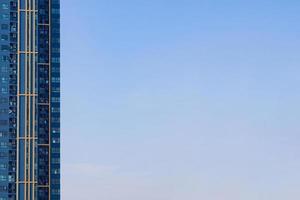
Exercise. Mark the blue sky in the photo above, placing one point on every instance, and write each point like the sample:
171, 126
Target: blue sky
172, 100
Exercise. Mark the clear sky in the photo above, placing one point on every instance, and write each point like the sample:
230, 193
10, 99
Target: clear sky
180, 99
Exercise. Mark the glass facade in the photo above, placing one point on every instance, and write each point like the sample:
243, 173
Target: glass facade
29, 100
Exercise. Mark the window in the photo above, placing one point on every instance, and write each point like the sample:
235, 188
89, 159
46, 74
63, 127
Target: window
4, 26
55, 69
3, 91
4, 6
55, 181
3, 100
55, 191
4, 37
55, 110
3, 111
55, 140
55, 119
55, 50
55, 171
4, 58
55, 60
55, 79
3, 144
3, 122
55, 99
55, 150
55, 160
55, 130
55, 11
3, 178
5, 16
3, 133
3, 154
4, 47
11, 178
3, 166
3, 188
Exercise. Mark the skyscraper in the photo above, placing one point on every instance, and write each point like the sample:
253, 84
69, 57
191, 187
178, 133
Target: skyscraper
29, 100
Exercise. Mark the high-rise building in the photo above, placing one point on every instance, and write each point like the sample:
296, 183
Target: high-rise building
29, 100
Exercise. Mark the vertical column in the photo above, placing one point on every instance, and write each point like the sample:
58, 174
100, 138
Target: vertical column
26, 137
5, 47
13, 98
50, 84
44, 96
55, 99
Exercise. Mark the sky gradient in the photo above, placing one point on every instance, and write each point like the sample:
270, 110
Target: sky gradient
180, 100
